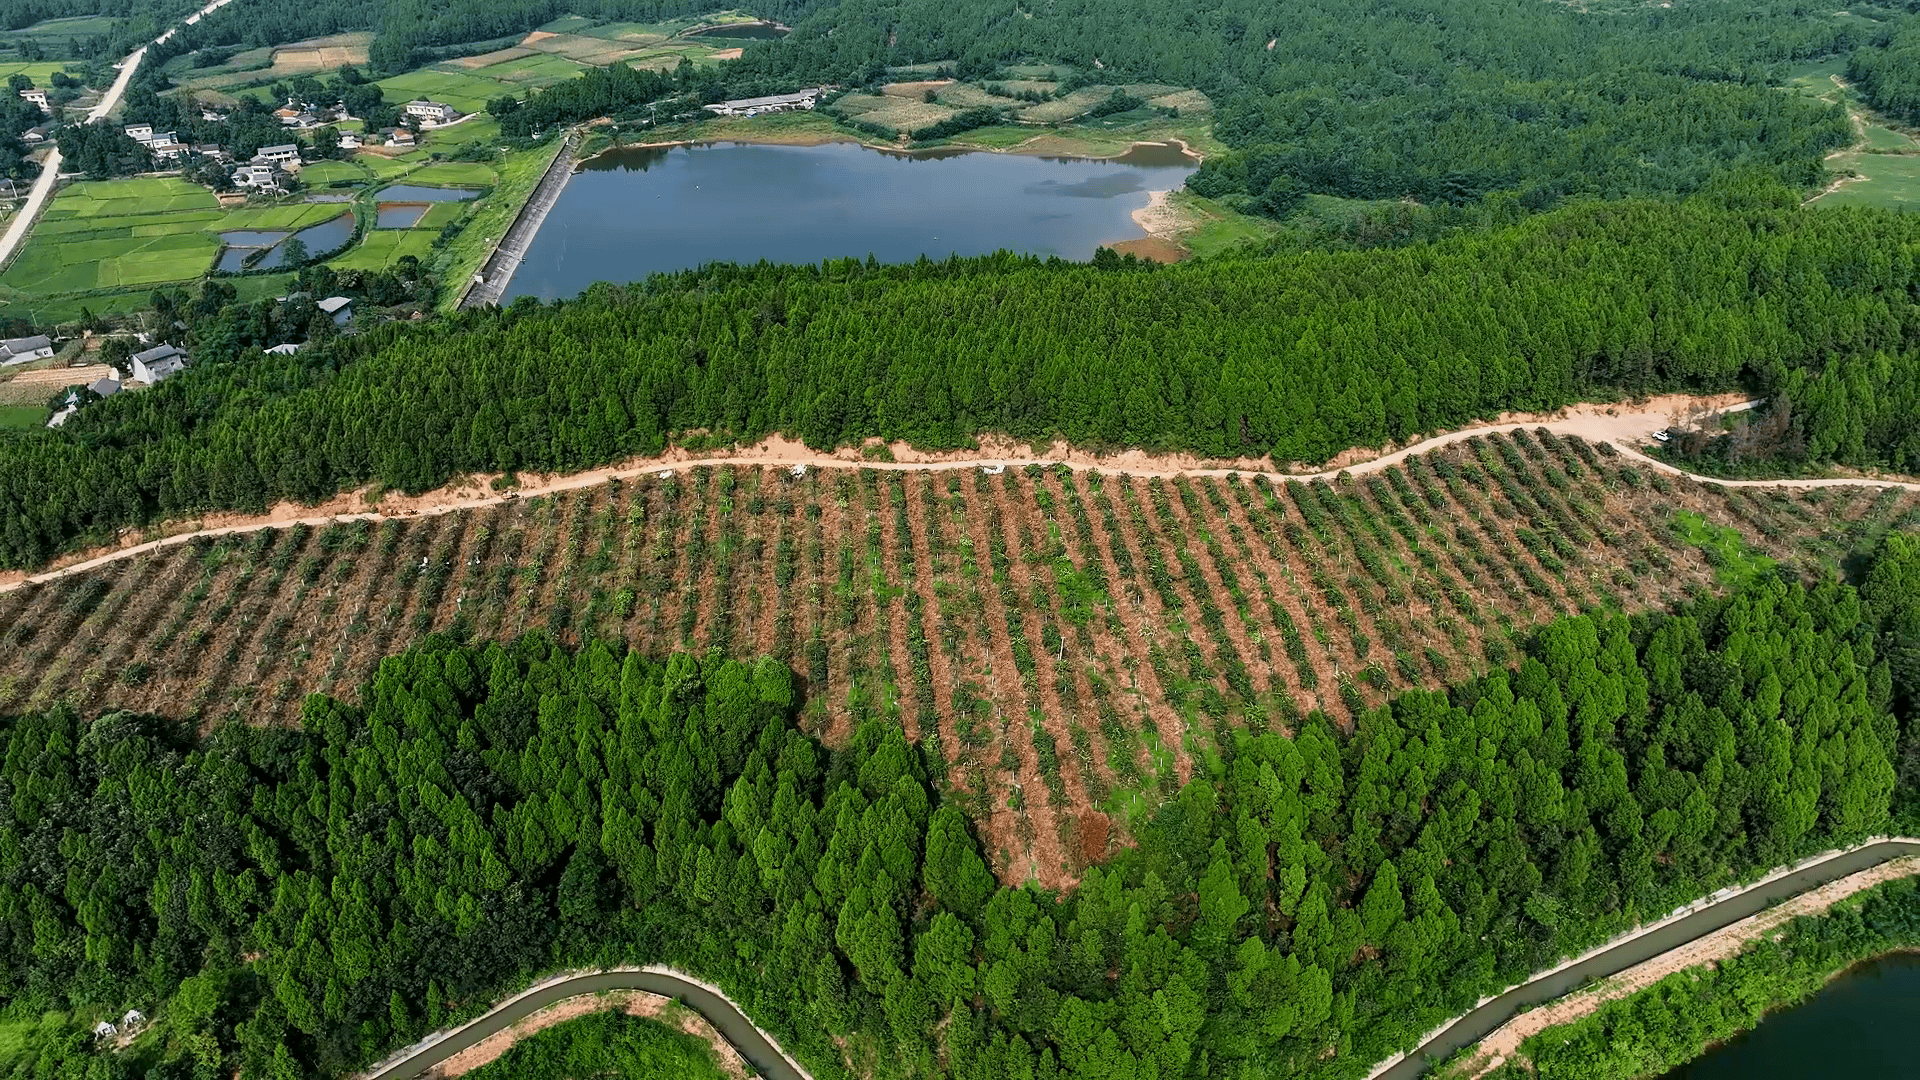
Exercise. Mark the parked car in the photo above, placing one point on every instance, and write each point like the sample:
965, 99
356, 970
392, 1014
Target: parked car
1663, 435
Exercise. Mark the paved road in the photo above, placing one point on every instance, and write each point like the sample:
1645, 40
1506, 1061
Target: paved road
42, 189
761, 1052
769, 1060
1486, 1019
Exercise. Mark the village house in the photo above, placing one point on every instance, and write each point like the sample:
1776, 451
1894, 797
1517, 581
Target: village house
284, 349
257, 178
34, 136
349, 141
105, 1030
38, 97
285, 152
139, 132
155, 365
22, 349
167, 149
401, 137
211, 116
210, 150
105, 386
805, 99
433, 112
340, 307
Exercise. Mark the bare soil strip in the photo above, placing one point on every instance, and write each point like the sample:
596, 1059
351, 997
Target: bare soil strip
1595, 423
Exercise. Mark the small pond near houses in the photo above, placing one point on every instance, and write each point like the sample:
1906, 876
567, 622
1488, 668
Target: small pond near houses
399, 215
646, 210
1865, 1024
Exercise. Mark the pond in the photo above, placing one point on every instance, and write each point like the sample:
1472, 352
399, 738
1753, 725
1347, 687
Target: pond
399, 215
1861, 1025
327, 235
240, 245
643, 211
418, 193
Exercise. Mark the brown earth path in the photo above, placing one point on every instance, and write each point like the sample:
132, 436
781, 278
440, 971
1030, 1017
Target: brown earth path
1616, 424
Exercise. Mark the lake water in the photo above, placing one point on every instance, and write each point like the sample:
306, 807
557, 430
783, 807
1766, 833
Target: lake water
642, 211
1864, 1024
418, 193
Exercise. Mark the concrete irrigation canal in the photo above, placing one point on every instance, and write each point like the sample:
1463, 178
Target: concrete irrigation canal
769, 1060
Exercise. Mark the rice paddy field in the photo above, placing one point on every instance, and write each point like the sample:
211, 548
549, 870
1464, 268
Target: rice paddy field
1069, 646
105, 245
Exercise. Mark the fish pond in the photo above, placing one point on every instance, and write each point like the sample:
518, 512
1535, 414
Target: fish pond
1866, 1023
647, 210
262, 250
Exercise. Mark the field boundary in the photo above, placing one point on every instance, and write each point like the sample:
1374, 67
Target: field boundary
1594, 423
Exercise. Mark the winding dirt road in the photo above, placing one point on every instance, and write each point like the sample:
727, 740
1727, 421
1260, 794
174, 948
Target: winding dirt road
1619, 425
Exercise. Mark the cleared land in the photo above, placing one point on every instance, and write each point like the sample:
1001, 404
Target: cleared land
1071, 646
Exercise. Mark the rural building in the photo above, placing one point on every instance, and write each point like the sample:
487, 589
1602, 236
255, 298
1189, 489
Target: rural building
104, 1030
805, 99
340, 307
158, 363
139, 132
433, 112
210, 149
258, 177
151, 138
34, 136
38, 97
400, 137
285, 349
285, 152
167, 149
105, 386
133, 1019
22, 349
349, 141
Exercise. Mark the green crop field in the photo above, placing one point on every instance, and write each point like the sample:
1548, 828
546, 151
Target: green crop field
461, 174
466, 92
22, 418
323, 173
383, 247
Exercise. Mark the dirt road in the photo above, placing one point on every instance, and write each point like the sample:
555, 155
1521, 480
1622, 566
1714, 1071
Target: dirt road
1620, 425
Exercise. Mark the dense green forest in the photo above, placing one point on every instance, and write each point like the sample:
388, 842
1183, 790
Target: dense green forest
292, 902
1536, 101
1298, 357
607, 1045
1672, 1021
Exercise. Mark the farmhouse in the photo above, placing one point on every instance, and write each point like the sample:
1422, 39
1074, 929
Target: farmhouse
433, 112
349, 141
258, 177
167, 149
400, 137
154, 365
139, 132
287, 348
105, 386
37, 97
22, 349
34, 136
340, 307
805, 99
285, 152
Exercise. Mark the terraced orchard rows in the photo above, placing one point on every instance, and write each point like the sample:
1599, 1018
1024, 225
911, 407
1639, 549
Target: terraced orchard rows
1068, 645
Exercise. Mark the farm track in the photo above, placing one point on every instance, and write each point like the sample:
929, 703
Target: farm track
949, 598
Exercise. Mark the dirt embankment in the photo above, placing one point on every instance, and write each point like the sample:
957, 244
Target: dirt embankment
1504, 1044
1618, 424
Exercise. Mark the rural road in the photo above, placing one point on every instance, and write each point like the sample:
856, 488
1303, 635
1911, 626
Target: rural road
42, 189
768, 1059
1639, 946
1594, 423
765, 1055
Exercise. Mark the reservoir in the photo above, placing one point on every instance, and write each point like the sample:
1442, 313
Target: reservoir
646, 210
1861, 1025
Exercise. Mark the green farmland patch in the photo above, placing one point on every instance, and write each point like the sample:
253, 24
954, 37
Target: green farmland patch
1890, 180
